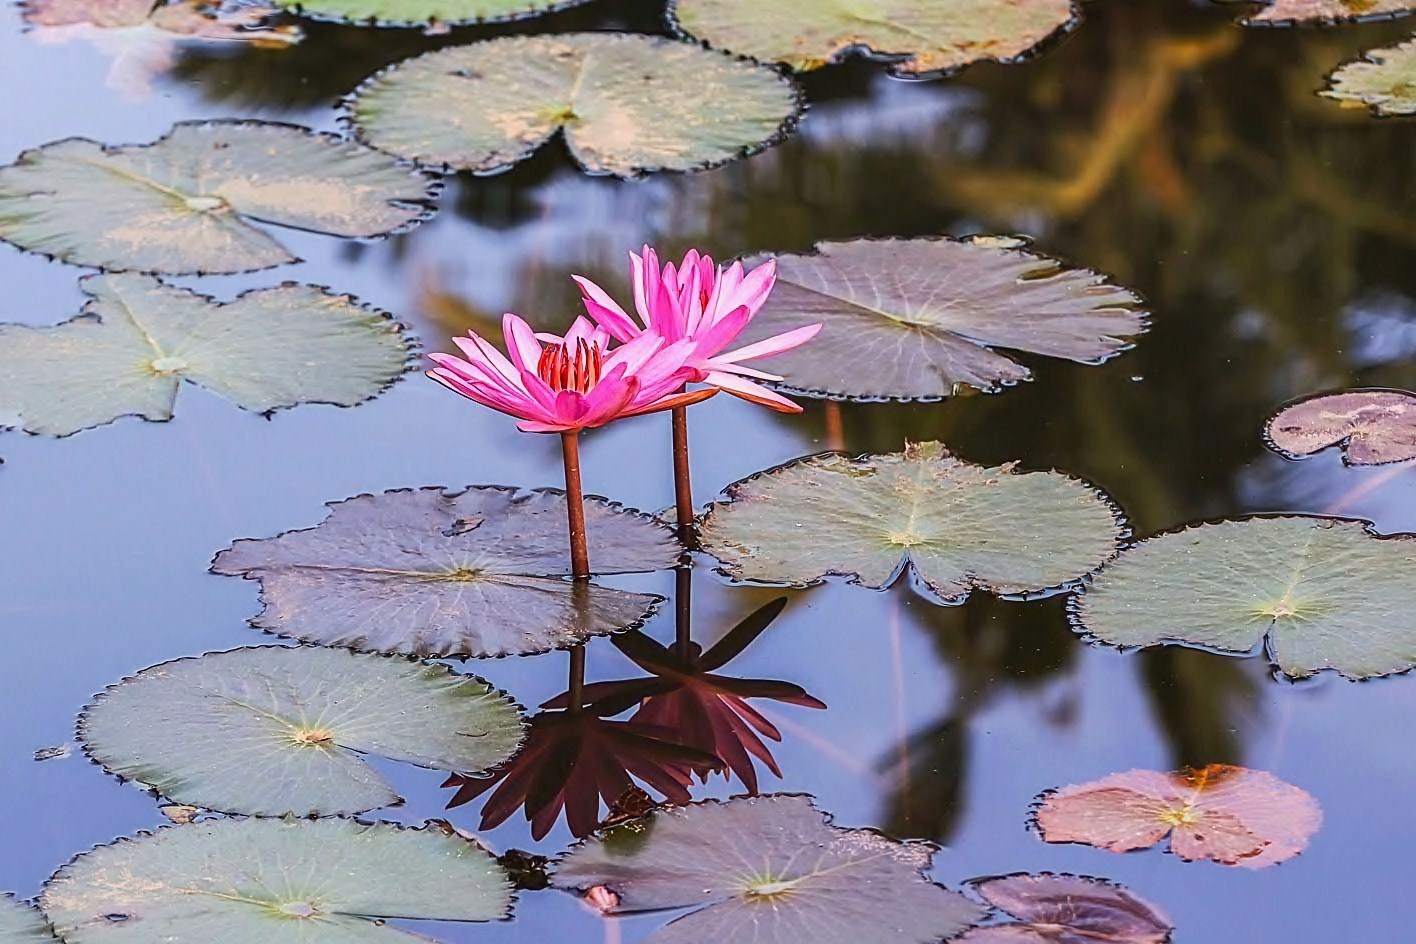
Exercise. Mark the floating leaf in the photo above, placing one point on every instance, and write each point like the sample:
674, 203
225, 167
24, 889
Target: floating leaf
427, 572
1283, 12
1384, 79
915, 319
424, 12
918, 36
180, 205
1067, 909
138, 339
1232, 815
240, 881
143, 36
626, 103
769, 870
20, 924
1327, 593
956, 526
274, 731
1372, 426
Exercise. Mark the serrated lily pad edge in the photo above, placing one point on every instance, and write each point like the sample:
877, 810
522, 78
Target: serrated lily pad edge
1341, 444
7, 899
729, 496
81, 726
428, 206
1263, 646
428, 825
785, 129
1374, 109
537, 8
890, 60
656, 600
412, 347
1017, 244
1327, 21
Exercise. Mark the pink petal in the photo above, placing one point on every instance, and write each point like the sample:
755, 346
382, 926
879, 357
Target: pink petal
776, 344
521, 343
686, 398
723, 333
747, 390
620, 326
634, 354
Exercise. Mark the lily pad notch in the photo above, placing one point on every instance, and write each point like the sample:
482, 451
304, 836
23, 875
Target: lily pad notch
489, 105
184, 205
282, 731
435, 573
954, 526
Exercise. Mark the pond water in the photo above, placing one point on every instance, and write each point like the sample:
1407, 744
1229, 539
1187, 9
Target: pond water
1270, 232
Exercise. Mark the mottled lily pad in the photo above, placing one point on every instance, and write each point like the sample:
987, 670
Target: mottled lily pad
1373, 427
956, 526
138, 339
20, 924
291, 881
1284, 12
1230, 815
1067, 909
917, 319
1385, 79
274, 731
919, 36
486, 106
767, 870
424, 12
182, 204
1326, 593
427, 572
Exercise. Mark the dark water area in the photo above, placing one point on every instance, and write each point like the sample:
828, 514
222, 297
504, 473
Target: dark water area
1270, 232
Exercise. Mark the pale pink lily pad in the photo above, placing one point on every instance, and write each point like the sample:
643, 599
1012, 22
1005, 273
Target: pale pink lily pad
1067, 909
1232, 815
1373, 427
1280, 12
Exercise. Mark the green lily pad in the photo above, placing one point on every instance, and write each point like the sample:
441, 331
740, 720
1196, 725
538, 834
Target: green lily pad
767, 870
1385, 79
489, 105
1285, 12
956, 526
424, 12
20, 924
274, 731
917, 319
138, 339
919, 36
427, 572
1326, 593
181, 205
242, 881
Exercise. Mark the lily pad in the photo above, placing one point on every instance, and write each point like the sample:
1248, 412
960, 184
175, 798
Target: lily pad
1231, 815
238, 881
1327, 593
20, 924
428, 572
956, 526
1067, 909
1385, 79
767, 870
424, 12
1373, 427
181, 205
918, 36
138, 339
274, 731
917, 319
489, 105
1284, 12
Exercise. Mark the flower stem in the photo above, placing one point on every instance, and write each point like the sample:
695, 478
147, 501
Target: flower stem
575, 506
577, 678
683, 480
683, 610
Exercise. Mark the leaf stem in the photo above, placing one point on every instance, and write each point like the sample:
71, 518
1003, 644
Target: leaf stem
575, 506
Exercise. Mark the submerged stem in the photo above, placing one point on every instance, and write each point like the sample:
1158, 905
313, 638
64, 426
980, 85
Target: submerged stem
683, 610
575, 506
576, 694
683, 479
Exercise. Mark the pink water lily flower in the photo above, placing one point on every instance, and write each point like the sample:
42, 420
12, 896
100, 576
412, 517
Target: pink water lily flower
708, 306
557, 384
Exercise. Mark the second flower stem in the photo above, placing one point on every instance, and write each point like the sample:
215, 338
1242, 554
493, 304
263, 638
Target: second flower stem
575, 506
683, 480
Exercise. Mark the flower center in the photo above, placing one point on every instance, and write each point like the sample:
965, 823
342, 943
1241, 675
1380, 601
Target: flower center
563, 370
